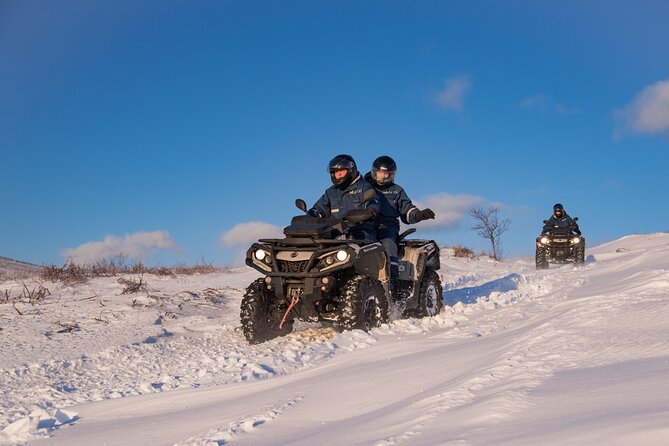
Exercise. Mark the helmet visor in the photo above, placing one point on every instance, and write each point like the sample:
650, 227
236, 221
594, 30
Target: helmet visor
383, 176
338, 174
339, 164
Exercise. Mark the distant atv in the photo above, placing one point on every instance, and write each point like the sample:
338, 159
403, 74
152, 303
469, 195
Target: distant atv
318, 273
562, 245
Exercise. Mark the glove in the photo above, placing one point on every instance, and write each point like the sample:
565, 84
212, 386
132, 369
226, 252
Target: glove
424, 215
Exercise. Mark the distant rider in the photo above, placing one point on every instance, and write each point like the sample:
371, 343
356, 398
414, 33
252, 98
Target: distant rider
560, 221
395, 204
346, 194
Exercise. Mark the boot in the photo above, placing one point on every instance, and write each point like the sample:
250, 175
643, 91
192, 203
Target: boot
395, 290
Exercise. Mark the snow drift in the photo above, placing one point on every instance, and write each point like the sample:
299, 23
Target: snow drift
517, 356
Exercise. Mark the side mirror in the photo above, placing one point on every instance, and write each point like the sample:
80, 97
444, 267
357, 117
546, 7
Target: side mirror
575, 218
301, 205
368, 195
545, 221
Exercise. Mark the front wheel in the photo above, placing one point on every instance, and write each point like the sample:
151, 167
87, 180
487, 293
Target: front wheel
362, 304
580, 255
429, 295
541, 258
261, 315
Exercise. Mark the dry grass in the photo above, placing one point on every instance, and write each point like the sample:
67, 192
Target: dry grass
131, 276
36, 295
463, 251
72, 274
132, 285
69, 274
201, 268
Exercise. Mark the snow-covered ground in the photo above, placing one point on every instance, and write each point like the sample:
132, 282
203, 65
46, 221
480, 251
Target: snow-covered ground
14, 269
567, 356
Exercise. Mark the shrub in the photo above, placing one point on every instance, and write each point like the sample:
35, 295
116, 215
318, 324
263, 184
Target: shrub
463, 251
132, 285
68, 274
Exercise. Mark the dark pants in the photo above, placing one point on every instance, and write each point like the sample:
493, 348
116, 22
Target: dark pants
388, 237
359, 232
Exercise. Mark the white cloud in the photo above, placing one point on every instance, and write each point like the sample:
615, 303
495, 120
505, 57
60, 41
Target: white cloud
536, 102
542, 103
246, 233
453, 94
135, 246
564, 110
449, 209
648, 112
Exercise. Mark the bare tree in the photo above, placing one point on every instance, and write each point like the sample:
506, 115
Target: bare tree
489, 226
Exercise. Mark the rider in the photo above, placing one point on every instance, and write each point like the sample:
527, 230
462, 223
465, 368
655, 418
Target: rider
560, 220
395, 204
345, 194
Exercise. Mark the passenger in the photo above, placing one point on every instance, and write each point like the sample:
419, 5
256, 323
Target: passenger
395, 205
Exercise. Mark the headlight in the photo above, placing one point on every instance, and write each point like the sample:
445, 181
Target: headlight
260, 254
576, 240
333, 260
545, 240
342, 255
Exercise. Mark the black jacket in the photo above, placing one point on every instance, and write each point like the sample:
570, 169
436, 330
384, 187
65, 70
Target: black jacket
337, 202
394, 203
564, 224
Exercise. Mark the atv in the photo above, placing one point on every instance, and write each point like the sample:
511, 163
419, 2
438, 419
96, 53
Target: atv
319, 273
562, 245
419, 290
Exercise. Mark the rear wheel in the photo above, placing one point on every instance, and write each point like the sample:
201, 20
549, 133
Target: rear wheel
261, 315
362, 304
429, 295
541, 258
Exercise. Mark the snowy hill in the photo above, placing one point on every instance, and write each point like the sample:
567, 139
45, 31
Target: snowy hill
518, 356
15, 269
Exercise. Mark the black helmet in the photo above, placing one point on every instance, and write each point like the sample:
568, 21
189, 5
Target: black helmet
340, 162
385, 164
558, 208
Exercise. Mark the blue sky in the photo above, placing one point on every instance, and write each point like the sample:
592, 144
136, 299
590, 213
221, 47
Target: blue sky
180, 131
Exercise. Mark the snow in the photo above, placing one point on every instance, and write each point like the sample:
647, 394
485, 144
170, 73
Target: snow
14, 269
569, 355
